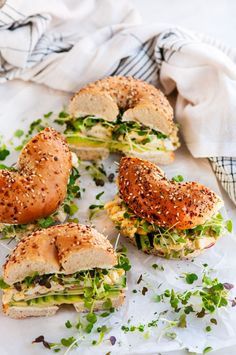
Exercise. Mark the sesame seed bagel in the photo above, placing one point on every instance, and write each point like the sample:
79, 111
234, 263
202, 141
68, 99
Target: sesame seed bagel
141, 102
165, 203
39, 185
65, 248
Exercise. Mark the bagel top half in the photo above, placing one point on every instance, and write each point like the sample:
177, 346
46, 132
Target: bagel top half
165, 203
39, 185
138, 100
65, 248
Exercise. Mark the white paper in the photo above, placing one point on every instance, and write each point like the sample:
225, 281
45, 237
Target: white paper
30, 102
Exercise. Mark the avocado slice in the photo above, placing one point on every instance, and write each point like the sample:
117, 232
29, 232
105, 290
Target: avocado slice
80, 141
113, 146
56, 299
145, 243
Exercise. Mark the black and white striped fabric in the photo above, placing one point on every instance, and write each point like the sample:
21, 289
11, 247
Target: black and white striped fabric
37, 44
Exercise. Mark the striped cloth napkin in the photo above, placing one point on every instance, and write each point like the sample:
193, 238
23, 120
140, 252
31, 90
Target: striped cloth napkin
67, 45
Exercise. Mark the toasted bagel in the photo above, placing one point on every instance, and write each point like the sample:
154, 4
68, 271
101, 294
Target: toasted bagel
141, 102
39, 185
166, 203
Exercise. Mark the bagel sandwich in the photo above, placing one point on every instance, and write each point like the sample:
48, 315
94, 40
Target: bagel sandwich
40, 190
64, 264
164, 217
121, 114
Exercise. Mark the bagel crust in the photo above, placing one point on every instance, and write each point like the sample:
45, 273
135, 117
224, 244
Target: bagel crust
166, 203
141, 102
39, 185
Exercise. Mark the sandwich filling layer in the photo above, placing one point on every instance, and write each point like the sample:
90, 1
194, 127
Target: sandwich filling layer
166, 242
56, 289
118, 136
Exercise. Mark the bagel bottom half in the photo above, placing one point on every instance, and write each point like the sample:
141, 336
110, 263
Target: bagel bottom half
169, 243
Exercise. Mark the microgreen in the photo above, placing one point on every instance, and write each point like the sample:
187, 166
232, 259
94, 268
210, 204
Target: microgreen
3, 284
158, 267
190, 278
95, 208
68, 324
4, 152
19, 133
47, 115
69, 341
46, 222
178, 178
123, 260
41, 339
207, 349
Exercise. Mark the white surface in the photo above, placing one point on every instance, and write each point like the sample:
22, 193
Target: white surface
41, 100
214, 19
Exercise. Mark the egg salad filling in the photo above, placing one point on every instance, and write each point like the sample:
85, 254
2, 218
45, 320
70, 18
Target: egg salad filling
118, 136
55, 289
169, 243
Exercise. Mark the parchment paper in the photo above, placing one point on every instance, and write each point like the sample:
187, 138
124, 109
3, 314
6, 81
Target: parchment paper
30, 102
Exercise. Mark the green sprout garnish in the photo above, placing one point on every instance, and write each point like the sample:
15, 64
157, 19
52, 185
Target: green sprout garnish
95, 208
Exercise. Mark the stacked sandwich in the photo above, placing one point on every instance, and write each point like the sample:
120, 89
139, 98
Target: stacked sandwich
64, 264
163, 217
38, 192
121, 114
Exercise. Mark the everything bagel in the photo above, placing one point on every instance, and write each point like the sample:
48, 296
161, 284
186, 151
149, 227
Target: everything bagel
39, 185
163, 217
139, 100
62, 265
145, 189
121, 114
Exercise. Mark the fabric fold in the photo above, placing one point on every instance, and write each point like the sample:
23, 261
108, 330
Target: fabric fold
65, 45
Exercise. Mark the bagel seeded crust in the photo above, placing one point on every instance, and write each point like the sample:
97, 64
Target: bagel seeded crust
151, 196
39, 185
128, 93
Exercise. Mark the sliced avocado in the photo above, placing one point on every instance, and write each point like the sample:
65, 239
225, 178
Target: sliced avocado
113, 146
80, 141
48, 300
123, 281
145, 244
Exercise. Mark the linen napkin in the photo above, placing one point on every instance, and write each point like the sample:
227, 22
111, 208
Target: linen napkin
64, 44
